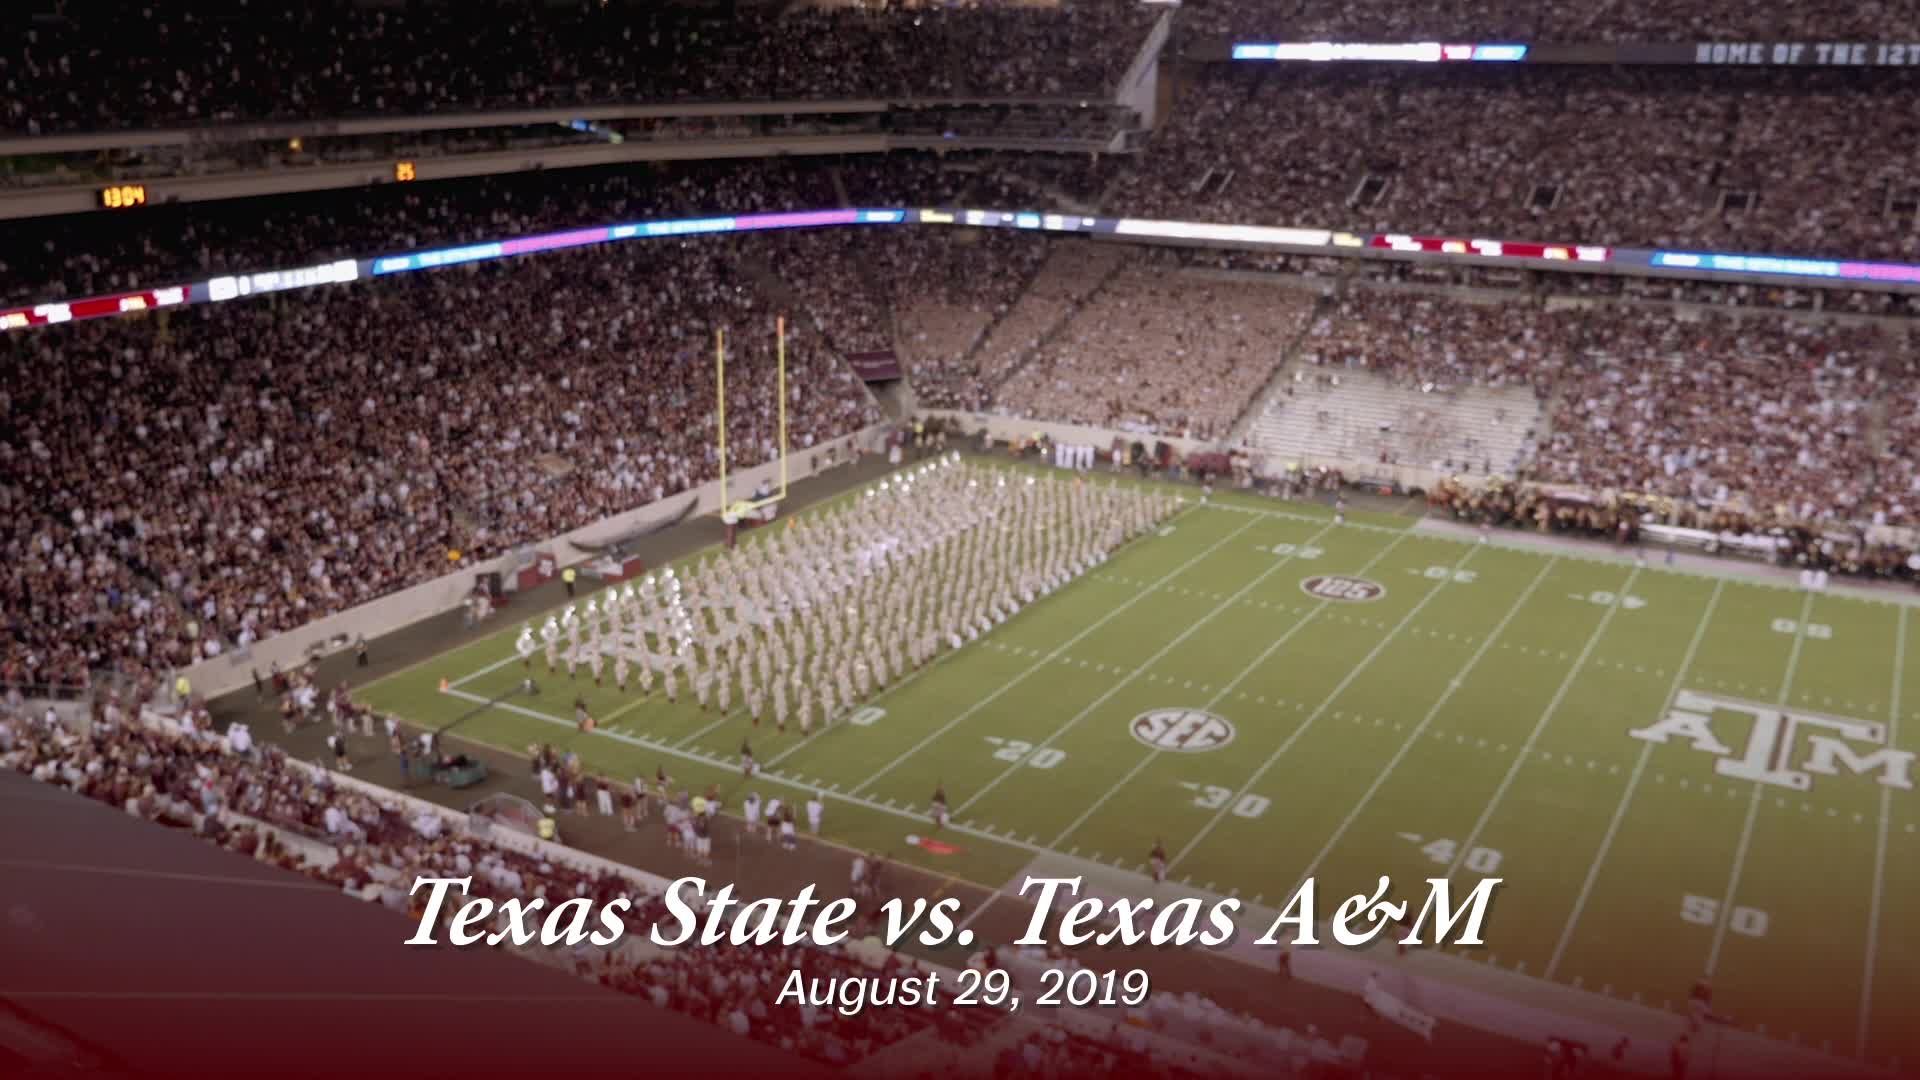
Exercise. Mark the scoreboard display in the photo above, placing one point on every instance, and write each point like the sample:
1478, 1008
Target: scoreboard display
123, 196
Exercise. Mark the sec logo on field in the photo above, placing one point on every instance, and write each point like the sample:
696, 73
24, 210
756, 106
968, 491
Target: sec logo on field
1183, 731
1347, 590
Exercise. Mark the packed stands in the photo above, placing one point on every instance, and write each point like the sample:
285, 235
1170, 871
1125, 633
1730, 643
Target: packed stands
1723, 159
950, 290
267, 464
162, 67
1158, 354
1072, 272
1772, 412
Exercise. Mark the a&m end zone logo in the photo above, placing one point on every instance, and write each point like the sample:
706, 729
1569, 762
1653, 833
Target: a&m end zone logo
1347, 590
1184, 731
1784, 747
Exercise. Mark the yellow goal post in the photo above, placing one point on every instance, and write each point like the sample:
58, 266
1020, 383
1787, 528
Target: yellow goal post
742, 508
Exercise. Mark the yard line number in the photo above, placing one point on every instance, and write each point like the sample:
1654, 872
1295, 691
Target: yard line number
1023, 753
1705, 911
1448, 573
1209, 797
1603, 598
1480, 860
1817, 631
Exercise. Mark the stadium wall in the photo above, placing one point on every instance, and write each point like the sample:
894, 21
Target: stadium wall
233, 670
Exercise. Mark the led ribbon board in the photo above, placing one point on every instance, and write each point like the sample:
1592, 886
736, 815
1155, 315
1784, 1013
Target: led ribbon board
1413, 52
228, 287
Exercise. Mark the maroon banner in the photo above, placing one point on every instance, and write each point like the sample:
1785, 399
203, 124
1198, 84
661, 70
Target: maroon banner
877, 366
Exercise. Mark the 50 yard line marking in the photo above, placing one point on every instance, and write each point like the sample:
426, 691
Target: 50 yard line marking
1192, 629
1413, 737
1037, 665
1880, 841
1546, 715
1154, 753
1753, 804
1633, 784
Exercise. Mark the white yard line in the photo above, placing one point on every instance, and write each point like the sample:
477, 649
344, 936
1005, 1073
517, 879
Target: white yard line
1041, 663
1348, 681
1154, 753
975, 914
625, 709
1413, 737
1753, 804
714, 761
1633, 784
1193, 628
1546, 715
724, 717
1880, 841
488, 670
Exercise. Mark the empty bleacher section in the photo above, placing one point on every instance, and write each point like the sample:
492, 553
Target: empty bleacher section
1355, 417
1408, 378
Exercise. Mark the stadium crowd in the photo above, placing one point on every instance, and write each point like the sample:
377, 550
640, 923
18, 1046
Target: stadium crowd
1772, 410
1154, 354
1760, 160
950, 289
265, 464
160, 67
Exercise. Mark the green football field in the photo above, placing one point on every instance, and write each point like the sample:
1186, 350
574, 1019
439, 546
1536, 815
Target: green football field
1386, 701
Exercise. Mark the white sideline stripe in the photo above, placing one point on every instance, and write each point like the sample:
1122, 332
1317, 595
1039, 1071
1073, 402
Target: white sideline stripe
1153, 753
1546, 715
1312, 519
1880, 842
1333, 696
1413, 737
1037, 665
713, 761
1193, 628
1633, 784
1753, 804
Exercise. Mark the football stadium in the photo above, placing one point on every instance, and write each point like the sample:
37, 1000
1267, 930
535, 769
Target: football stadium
1231, 539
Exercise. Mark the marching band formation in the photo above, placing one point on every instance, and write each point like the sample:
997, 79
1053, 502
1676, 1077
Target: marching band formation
808, 623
